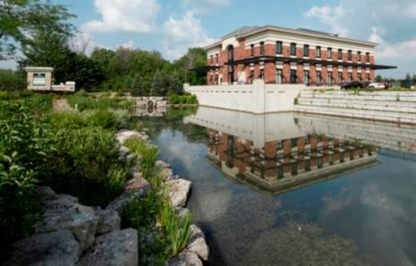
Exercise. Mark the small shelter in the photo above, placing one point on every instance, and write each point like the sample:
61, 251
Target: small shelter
40, 79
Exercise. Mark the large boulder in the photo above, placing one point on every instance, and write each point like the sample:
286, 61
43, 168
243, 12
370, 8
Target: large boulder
197, 244
114, 249
108, 221
186, 259
178, 192
124, 135
55, 248
64, 212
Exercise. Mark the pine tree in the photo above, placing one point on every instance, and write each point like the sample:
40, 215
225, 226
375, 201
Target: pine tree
137, 88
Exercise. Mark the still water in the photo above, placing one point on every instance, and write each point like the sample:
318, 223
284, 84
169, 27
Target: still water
295, 189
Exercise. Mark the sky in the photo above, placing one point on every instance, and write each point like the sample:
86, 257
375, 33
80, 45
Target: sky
172, 26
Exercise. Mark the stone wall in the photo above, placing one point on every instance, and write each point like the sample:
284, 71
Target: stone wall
393, 106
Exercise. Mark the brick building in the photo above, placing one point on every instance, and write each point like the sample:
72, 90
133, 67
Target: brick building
282, 56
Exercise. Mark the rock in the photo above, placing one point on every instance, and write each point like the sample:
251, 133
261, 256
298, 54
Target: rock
181, 212
165, 169
121, 202
46, 192
64, 212
113, 249
178, 192
145, 137
159, 164
186, 259
123, 151
56, 248
137, 183
122, 136
108, 221
197, 243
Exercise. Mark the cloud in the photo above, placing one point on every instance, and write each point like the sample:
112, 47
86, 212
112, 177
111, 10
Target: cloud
181, 34
136, 16
128, 45
389, 23
204, 6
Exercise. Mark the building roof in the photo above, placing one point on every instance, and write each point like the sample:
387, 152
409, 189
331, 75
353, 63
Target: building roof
247, 31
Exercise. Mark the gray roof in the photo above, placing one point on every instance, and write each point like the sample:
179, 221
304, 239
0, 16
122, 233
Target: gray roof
242, 30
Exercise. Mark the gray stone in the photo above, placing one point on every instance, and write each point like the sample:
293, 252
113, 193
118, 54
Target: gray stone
123, 152
145, 137
181, 212
197, 244
178, 192
64, 212
46, 192
124, 135
108, 221
56, 248
113, 249
164, 169
186, 259
121, 202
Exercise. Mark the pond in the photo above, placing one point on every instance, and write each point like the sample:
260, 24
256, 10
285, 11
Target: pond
295, 189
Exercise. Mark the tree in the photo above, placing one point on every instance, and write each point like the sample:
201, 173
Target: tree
21, 19
379, 78
408, 76
195, 57
138, 87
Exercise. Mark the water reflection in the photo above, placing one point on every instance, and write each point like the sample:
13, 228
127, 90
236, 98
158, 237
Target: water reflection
362, 217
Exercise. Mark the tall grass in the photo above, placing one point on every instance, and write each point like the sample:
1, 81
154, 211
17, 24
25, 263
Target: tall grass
147, 152
176, 229
39, 103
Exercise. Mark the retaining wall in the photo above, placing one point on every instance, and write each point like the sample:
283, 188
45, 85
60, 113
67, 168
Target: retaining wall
255, 98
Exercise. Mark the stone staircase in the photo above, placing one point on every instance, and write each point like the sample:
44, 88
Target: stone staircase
393, 106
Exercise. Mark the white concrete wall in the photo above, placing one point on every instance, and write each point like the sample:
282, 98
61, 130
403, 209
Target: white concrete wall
255, 98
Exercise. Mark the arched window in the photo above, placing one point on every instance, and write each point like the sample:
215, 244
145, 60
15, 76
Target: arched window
231, 53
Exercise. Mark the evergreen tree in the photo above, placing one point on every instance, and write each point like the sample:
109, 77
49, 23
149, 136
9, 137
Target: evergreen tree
138, 87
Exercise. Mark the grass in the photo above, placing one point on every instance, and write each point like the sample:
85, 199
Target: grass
148, 154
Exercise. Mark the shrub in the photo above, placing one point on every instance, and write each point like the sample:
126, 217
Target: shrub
103, 118
176, 229
182, 99
23, 148
87, 159
81, 103
147, 152
5, 96
39, 103
12, 80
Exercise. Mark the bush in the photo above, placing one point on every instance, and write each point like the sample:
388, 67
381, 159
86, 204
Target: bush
102, 118
182, 99
11, 80
81, 103
39, 103
5, 96
23, 148
86, 159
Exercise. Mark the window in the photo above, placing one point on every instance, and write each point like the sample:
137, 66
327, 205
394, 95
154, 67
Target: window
292, 76
367, 77
329, 53
359, 56
252, 50
306, 50
340, 78
279, 47
293, 142
360, 77
212, 59
318, 77
293, 49
329, 78
279, 144
39, 79
231, 53
318, 52
306, 77
261, 73
319, 162
340, 54
349, 55
262, 48
367, 57
230, 75
280, 172
279, 76
307, 165
331, 159
294, 168
350, 77
307, 139
252, 76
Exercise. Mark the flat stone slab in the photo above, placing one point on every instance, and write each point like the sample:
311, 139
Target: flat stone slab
56, 248
124, 135
178, 192
64, 212
114, 249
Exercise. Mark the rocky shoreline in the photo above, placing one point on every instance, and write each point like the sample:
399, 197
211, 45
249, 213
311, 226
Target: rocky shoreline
74, 234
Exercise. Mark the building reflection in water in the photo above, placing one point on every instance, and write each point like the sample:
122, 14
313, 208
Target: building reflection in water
286, 164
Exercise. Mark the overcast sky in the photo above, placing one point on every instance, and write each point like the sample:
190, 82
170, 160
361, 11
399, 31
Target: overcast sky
171, 26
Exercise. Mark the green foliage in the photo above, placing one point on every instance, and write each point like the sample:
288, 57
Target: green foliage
5, 96
11, 80
23, 148
182, 99
176, 229
39, 103
103, 118
147, 152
